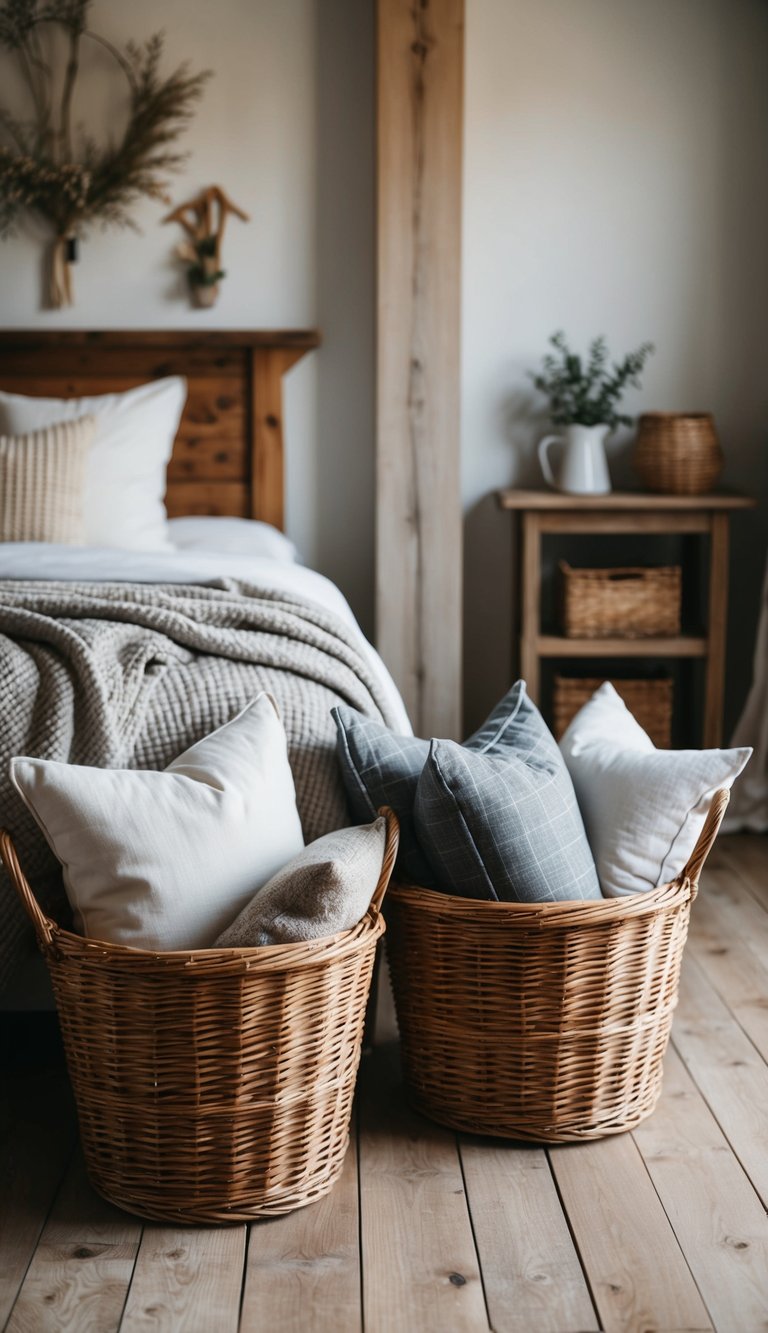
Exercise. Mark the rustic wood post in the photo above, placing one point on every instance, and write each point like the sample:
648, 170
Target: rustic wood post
419, 520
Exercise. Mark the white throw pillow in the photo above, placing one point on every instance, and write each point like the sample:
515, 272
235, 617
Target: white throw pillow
643, 808
125, 475
231, 536
166, 860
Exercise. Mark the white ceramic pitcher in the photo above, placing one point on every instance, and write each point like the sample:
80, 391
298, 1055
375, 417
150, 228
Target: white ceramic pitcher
583, 465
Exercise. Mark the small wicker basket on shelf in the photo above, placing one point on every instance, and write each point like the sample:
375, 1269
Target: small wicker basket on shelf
544, 1021
627, 603
213, 1085
649, 700
678, 453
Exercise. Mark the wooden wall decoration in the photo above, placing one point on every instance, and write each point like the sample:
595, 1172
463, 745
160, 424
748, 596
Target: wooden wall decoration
419, 519
228, 455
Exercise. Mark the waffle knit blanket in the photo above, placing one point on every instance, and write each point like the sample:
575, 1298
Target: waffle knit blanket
118, 675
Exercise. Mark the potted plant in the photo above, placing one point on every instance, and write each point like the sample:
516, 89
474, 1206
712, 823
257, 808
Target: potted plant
584, 398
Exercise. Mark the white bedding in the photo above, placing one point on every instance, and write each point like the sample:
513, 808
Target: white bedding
43, 560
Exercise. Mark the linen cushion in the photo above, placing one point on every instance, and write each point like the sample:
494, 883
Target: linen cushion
498, 817
379, 767
125, 474
327, 888
643, 808
164, 860
42, 478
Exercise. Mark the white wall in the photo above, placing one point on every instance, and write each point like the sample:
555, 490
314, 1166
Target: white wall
616, 181
286, 126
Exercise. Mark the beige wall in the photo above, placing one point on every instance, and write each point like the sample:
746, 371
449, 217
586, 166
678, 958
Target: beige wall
616, 181
286, 126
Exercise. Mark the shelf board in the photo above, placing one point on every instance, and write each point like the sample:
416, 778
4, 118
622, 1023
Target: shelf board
682, 645
641, 501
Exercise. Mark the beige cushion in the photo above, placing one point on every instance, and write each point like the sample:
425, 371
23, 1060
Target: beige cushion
165, 860
42, 483
328, 887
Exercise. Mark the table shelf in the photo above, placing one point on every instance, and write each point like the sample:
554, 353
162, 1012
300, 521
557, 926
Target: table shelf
540, 514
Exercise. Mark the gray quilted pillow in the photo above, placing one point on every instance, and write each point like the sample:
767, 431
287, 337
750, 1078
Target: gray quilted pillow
498, 817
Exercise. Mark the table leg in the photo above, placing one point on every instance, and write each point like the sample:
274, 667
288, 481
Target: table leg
531, 603
717, 623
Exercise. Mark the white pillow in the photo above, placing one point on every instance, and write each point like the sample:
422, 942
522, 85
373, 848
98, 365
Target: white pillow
167, 860
231, 536
643, 808
125, 476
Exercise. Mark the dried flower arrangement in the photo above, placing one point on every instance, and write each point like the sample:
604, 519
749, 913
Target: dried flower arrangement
41, 169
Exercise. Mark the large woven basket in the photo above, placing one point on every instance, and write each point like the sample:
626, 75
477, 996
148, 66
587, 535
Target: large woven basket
649, 700
215, 1085
678, 453
628, 603
545, 1022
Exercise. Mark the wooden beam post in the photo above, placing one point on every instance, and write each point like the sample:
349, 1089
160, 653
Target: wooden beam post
419, 518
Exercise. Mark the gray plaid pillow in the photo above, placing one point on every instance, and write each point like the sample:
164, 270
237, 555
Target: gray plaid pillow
498, 816
380, 768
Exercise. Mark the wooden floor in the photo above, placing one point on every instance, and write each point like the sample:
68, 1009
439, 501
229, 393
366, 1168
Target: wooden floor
662, 1229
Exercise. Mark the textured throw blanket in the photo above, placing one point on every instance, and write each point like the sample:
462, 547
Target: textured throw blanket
130, 675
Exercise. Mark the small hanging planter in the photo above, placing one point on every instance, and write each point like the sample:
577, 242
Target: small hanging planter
204, 219
73, 186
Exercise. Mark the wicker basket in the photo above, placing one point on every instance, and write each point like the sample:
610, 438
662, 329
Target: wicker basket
217, 1085
678, 454
632, 603
649, 700
546, 1022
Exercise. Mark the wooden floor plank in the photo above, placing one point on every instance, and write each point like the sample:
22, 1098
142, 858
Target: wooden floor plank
728, 946
727, 1069
303, 1271
746, 855
420, 1269
37, 1138
82, 1267
186, 1278
718, 1219
531, 1272
638, 1275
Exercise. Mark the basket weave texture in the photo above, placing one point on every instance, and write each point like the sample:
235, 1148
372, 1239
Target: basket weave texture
678, 454
650, 701
545, 1022
216, 1085
629, 603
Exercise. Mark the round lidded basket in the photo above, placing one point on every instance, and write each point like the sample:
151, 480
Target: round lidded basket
678, 453
548, 1021
214, 1085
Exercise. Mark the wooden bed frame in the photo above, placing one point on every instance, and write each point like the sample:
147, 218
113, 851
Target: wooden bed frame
228, 454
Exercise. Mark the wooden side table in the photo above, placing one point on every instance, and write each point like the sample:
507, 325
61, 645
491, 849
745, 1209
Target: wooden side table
544, 512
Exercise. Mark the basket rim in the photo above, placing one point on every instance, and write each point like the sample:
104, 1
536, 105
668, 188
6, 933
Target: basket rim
584, 912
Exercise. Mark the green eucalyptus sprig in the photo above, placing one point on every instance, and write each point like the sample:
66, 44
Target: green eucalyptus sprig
588, 393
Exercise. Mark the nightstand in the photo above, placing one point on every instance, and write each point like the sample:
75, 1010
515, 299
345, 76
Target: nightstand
541, 513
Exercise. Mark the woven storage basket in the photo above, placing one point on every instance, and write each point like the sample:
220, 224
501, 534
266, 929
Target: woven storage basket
677, 454
546, 1022
216, 1085
650, 701
630, 603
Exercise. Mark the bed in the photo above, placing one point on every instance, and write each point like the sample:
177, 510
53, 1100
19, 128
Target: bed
124, 657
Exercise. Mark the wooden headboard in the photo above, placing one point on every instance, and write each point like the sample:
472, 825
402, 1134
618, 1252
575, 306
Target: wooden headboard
228, 455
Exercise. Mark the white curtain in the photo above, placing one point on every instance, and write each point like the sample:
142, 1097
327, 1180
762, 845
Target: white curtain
749, 802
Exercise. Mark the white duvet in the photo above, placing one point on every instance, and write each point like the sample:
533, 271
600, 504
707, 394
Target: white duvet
44, 560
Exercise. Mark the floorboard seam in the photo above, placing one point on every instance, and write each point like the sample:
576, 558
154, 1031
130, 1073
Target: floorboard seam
574, 1238
457, 1140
